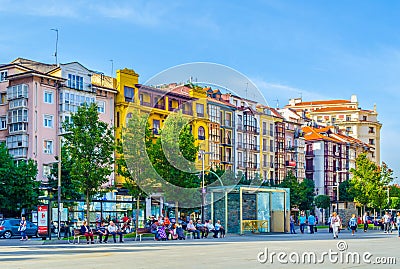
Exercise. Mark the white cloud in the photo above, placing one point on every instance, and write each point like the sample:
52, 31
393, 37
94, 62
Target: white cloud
281, 93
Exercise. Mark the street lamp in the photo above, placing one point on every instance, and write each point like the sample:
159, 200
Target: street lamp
203, 189
59, 184
337, 188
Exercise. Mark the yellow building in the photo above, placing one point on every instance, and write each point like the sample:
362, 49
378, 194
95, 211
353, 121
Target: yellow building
159, 102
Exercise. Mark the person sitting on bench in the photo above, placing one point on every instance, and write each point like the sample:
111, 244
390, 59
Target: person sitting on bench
114, 230
192, 229
102, 231
87, 232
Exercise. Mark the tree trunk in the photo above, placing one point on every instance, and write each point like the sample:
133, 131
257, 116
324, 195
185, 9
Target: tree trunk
87, 207
176, 212
137, 211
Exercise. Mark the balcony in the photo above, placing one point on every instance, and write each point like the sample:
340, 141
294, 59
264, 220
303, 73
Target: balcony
143, 103
160, 106
291, 148
240, 145
187, 112
252, 129
201, 137
291, 164
239, 127
200, 115
226, 159
226, 141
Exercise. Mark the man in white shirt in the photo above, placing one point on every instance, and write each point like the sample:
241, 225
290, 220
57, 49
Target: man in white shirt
386, 222
365, 221
192, 229
114, 230
210, 228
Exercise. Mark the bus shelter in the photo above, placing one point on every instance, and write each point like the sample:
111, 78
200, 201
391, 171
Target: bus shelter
249, 209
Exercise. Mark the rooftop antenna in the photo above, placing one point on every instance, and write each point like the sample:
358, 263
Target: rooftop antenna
112, 67
277, 102
55, 54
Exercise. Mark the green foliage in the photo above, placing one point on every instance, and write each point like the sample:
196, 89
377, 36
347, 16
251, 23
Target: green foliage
18, 186
322, 201
90, 144
133, 163
306, 194
395, 202
345, 191
172, 157
70, 188
291, 182
369, 182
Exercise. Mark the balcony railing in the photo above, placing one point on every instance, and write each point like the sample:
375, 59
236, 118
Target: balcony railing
145, 103
226, 141
160, 106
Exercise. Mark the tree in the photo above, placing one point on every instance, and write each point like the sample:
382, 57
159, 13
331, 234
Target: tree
345, 191
306, 194
364, 176
133, 163
322, 201
70, 188
19, 188
370, 182
173, 156
291, 182
90, 144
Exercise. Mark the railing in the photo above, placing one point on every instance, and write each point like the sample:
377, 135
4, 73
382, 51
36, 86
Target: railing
159, 106
145, 103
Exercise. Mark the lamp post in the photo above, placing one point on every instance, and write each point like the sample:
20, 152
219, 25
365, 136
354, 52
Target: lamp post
337, 188
203, 189
59, 183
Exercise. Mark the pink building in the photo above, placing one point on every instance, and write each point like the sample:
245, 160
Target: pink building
36, 98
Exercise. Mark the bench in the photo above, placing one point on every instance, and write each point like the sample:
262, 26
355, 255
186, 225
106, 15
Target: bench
78, 235
140, 232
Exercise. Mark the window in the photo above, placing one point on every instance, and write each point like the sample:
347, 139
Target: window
348, 130
128, 117
3, 122
371, 130
46, 170
228, 119
75, 82
18, 115
16, 127
48, 97
48, 121
264, 126
129, 94
18, 103
201, 133
156, 126
372, 141
17, 91
17, 141
48, 147
364, 118
3, 75
101, 106
200, 110
3, 98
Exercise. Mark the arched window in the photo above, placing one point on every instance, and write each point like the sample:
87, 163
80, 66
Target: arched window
128, 117
201, 133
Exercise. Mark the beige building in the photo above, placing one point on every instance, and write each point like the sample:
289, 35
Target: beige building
354, 121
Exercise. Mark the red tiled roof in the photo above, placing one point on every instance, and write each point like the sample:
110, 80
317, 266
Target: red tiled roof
329, 109
322, 102
311, 133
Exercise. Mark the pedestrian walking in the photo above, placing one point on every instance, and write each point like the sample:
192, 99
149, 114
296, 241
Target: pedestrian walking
292, 230
329, 223
336, 223
353, 224
311, 222
386, 222
365, 221
302, 221
398, 223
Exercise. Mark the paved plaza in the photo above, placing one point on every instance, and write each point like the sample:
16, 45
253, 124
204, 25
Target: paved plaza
248, 251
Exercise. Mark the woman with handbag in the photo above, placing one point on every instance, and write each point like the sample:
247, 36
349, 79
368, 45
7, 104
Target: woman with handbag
22, 229
335, 224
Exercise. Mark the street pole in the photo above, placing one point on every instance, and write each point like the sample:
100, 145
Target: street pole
202, 189
202, 154
59, 190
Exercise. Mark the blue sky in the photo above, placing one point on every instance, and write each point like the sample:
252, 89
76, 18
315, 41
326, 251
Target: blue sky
319, 50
